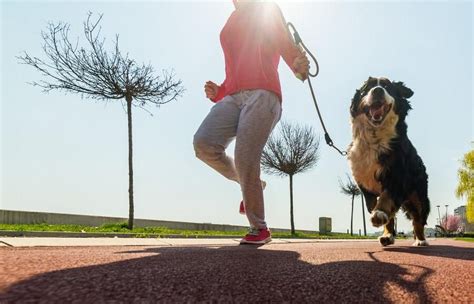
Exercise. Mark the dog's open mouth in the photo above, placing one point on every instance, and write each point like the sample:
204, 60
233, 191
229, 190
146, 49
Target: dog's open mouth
377, 112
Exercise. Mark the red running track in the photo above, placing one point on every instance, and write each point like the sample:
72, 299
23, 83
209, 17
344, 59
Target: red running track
335, 272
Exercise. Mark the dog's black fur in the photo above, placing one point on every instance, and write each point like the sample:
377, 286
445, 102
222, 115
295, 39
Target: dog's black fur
380, 143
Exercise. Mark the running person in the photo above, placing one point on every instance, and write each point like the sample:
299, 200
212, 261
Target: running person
248, 102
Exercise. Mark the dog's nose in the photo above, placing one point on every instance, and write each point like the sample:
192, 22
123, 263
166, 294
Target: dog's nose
378, 93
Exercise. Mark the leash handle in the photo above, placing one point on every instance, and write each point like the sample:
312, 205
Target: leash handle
299, 42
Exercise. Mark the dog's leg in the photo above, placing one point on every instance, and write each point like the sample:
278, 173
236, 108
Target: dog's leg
419, 233
418, 212
388, 237
419, 222
370, 199
383, 210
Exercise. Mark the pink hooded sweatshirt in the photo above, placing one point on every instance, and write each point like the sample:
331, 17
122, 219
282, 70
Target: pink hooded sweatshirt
253, 39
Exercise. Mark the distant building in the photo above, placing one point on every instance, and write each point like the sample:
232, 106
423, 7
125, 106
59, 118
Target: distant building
430, 232
461, 212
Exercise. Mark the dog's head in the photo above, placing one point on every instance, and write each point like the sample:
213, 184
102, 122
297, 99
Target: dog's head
378, 97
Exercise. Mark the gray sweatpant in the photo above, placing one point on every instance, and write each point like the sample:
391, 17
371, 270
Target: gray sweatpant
249, 116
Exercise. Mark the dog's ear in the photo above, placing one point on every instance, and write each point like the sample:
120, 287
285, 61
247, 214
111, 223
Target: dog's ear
403, 90
366, 83
355, 103
358, 95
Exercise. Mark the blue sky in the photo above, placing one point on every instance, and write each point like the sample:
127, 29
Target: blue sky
60, 153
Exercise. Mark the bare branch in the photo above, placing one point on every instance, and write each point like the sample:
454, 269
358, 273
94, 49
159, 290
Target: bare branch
95, 73
293, 150
350, 188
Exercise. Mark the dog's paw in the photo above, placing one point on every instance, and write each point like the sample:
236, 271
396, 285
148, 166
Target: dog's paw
418, 243
379, 218
386, 240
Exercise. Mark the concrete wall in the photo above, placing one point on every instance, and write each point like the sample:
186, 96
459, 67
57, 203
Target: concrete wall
27, 217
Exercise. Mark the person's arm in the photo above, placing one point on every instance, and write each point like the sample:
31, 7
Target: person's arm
291, 53
220, 93
213, 91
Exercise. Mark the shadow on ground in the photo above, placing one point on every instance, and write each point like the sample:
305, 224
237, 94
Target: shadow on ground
225, 274
444, 251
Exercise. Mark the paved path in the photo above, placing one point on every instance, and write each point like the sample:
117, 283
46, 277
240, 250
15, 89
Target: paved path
314, 272
160, 242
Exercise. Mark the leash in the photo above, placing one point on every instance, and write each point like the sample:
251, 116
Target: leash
299, 41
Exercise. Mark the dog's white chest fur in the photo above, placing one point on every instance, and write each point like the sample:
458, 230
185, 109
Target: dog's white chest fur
368, 143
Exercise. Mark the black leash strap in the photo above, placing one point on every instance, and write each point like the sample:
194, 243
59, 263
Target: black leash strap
298, 41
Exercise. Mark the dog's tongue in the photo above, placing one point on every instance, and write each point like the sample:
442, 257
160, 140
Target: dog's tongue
376, 112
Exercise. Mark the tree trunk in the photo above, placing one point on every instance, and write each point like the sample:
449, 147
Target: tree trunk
352, 214
363, 214
291, 207
130, 164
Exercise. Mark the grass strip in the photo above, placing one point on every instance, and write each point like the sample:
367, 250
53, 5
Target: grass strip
163, 231
466, 239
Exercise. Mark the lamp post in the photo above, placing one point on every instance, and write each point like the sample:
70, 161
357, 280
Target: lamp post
439, 216
446, 219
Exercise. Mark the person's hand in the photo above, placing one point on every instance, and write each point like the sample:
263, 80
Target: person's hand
301, 65
211, 89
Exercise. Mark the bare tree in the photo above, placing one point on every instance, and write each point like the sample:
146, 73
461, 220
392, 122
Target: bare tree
351, 189
95, 73
294, 150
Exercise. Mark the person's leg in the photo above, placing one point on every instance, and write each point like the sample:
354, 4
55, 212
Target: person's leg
215, 134
242, 203
260, 113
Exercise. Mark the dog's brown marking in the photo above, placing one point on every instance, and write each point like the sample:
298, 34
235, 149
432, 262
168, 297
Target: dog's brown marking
390, 227
388, 237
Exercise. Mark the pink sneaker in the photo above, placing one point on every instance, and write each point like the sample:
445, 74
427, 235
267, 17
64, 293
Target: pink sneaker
242, 208
242, 205
257, 237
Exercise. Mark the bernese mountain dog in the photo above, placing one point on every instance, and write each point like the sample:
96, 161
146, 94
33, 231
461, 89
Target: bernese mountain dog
384, 163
